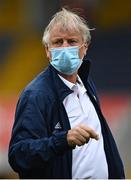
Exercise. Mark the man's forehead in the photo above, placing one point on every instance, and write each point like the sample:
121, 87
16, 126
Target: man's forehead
57, 31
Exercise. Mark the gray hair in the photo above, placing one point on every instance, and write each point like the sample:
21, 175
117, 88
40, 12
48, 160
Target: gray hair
68, 21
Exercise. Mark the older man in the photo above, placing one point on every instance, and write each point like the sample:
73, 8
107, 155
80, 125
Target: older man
59, 130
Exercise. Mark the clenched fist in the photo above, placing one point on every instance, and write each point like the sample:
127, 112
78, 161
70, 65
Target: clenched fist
80, 135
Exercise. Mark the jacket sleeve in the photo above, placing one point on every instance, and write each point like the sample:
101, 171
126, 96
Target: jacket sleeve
30, 145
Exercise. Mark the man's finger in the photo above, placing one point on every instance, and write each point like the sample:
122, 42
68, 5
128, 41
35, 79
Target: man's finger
89, 130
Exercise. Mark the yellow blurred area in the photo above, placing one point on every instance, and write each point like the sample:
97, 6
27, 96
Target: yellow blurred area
114, 13
26, 56
24, 61
11, 18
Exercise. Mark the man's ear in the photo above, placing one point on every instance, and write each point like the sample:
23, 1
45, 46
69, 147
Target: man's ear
47, 52
86, 48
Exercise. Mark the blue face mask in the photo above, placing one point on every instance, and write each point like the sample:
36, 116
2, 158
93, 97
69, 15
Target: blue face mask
66, 59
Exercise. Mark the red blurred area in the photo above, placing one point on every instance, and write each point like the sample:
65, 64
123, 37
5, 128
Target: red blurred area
7, 109
113, 106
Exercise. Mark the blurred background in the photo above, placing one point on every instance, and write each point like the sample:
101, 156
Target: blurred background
22, 56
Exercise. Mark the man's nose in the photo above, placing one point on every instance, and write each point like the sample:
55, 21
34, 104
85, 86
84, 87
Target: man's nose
65, 43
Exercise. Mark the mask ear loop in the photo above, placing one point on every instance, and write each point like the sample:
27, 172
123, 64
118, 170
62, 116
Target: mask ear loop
84, 44
81, 46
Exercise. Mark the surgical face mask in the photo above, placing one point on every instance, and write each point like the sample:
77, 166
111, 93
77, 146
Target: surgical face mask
66, 59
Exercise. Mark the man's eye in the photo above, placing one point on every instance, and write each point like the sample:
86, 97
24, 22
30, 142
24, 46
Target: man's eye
58, 42
72, 41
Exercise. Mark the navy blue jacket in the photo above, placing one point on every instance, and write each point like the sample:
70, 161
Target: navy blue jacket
40, 150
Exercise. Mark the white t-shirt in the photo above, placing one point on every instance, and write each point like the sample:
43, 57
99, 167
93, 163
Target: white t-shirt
89, 160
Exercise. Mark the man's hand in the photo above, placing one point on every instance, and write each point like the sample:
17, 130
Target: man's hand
80, 135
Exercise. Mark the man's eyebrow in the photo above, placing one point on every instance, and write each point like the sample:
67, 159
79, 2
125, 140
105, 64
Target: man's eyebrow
57, 38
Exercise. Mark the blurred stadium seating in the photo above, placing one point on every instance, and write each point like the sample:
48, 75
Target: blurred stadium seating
22, 56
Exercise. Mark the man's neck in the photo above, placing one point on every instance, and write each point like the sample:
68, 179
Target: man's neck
72, 78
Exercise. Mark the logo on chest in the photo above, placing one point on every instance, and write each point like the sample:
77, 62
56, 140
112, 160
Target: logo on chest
58, 126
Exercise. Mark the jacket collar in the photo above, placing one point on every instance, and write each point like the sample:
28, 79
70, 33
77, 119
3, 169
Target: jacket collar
84, 70
58, 86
